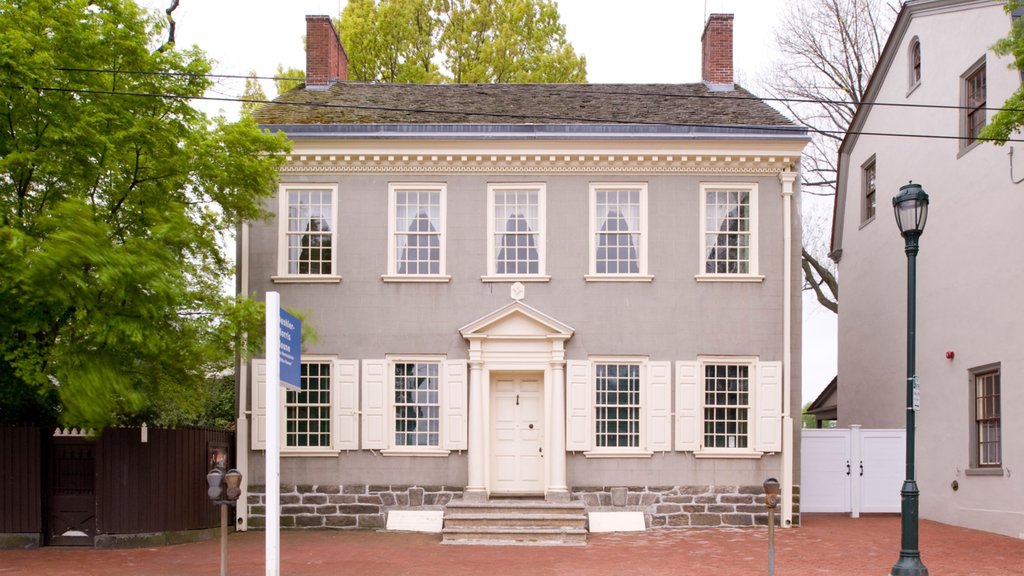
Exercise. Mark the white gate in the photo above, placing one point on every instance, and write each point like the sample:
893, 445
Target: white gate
851, 470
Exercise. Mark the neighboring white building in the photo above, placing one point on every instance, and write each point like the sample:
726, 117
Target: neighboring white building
970, 321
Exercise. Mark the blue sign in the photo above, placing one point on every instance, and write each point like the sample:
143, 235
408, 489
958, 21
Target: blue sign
290, 357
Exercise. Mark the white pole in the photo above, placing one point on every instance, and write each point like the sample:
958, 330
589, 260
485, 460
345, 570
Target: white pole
272, 478
787, 177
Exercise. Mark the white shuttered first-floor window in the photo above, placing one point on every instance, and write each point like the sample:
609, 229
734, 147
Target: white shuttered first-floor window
322, 418
618, 406
414, 405
728, 406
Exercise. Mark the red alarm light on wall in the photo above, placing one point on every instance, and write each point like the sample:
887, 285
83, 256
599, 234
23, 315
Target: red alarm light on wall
950, 355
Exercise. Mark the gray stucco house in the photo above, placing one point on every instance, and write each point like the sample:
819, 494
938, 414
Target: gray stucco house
939, 82
559, 291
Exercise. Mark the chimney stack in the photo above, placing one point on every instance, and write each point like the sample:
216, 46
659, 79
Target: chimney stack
716, 52
326, 60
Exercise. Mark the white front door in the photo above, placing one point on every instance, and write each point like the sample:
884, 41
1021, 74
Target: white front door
517, 434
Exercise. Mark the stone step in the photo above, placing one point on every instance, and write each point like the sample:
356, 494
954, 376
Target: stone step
515, 537
518, 520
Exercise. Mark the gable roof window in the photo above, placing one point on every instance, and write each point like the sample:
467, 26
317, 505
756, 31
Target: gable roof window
915, 63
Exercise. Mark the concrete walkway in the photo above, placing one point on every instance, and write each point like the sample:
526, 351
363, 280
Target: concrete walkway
825, 544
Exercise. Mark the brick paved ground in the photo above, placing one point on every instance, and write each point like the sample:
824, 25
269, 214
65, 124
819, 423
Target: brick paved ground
824, 545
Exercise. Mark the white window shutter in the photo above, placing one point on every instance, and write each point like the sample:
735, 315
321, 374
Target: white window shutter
769, 407
374, 402
579, 406
659, 406
258, 423
346, 405
688, 406
454, 403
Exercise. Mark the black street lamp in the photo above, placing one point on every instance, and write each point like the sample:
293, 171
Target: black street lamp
911, 207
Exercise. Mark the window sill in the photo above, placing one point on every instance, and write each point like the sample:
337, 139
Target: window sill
984, 472
866, 221
429, 452
616, 454
433, 278
729, 278
913, 88
515, 278
296, 279
619, 277
964, 149
749, 454
321, 453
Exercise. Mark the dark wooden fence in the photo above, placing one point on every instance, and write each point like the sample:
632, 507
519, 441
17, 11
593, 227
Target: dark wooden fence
145, 482
21, 480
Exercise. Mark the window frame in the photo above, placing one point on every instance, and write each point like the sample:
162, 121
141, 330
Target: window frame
869, 190
914, 64
392, 274
752, 274
283, 275
394, 449
751, 406
332, 407
642, 408
969, 140
642, 274
493, 189
974, 376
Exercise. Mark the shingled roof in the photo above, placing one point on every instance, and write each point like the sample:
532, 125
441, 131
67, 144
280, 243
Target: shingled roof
509, 104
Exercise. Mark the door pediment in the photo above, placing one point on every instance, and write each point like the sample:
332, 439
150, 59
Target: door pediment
517, 321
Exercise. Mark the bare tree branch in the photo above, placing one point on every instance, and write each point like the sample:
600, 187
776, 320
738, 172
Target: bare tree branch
829, 49
171, 26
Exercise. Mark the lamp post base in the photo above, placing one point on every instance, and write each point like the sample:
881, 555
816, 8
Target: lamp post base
909, 565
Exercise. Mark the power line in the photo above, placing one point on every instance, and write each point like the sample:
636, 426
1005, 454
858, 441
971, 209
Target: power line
582, 89
505, 115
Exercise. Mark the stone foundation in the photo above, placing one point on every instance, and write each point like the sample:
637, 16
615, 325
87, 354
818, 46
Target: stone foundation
366, 506
682, 506
349, 506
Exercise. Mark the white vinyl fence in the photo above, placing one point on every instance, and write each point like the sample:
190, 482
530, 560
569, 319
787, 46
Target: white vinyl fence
851, 470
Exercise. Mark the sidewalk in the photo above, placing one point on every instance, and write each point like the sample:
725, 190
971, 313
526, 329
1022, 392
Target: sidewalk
825, 544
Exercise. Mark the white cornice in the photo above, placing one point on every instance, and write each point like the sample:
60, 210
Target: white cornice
539, 164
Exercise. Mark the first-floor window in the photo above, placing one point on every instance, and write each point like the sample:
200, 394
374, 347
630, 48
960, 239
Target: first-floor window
308, 412
726, 405
417, 404
617, 405
987, 420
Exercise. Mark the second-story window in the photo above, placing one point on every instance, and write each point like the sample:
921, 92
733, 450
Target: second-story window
516, 230
416, 227
869, 190
729, 224
618, 236
973, 111
308, 215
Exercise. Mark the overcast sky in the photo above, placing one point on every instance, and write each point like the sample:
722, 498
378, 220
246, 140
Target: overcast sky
655, 41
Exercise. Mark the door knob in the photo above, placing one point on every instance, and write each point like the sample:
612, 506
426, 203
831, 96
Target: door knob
531, 426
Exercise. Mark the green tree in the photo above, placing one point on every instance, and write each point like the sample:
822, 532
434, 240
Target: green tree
285, 80
116, 197
1005, 122
253, 95
461, 41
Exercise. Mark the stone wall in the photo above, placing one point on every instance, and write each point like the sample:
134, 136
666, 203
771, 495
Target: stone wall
680, 506
366, 506
348, 506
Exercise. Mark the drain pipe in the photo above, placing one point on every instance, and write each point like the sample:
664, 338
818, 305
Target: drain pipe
242, 423
787, 177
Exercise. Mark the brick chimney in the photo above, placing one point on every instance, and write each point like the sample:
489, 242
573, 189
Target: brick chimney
716, 52
326, 60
